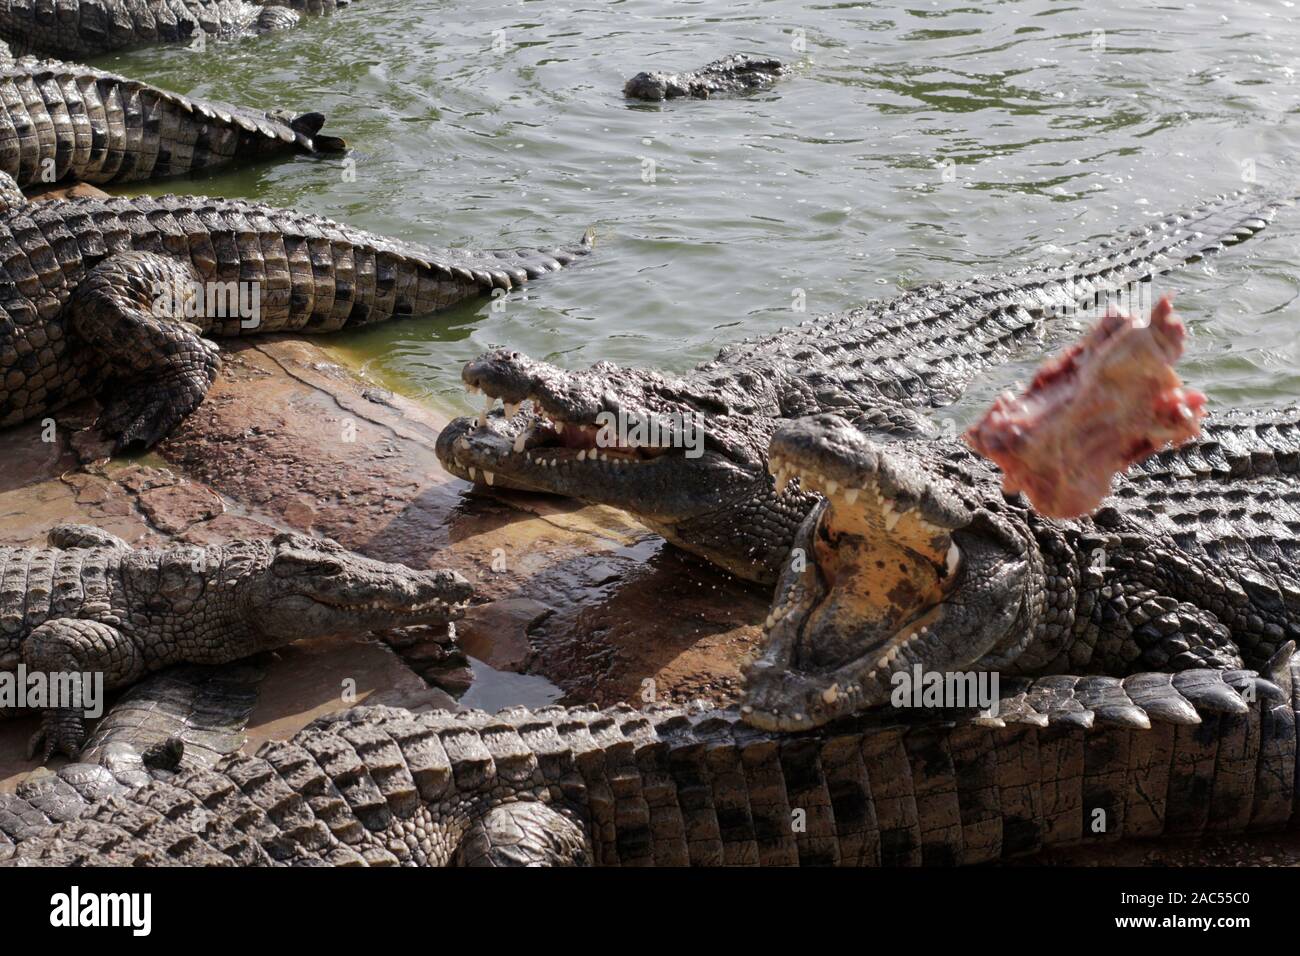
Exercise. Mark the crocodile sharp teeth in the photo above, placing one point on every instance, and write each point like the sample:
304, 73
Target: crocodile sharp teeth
488, 402
488, 476
512, 409
832, 487
519, 442
851, 494
582, 455
953, 560
831, 694
472, 472
891, 520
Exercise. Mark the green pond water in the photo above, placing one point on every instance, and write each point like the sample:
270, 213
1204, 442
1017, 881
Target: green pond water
501, 123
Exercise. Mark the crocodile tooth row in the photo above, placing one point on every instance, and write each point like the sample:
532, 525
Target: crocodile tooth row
891, 510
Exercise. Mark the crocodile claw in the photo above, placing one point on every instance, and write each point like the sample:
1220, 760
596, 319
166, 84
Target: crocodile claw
143, 416
62, 732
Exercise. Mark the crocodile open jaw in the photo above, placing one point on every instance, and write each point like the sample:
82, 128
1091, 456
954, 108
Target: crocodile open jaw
872, 558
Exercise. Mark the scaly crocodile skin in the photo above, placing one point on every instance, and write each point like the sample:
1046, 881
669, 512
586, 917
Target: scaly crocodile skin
61, 120
91, 604
1154, 755
915, 352
76, 28
737, 73
84, 279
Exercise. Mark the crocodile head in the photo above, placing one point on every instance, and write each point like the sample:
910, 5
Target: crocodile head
688, 456
913, 557
655, 85
298, 586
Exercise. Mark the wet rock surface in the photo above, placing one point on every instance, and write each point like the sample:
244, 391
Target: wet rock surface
581, 603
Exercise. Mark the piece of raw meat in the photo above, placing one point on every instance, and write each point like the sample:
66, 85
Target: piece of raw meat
1104, 403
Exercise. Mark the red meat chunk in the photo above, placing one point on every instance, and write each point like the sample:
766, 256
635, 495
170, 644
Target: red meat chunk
1103, 404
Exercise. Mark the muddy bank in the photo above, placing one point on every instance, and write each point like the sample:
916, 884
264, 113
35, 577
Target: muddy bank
575, 603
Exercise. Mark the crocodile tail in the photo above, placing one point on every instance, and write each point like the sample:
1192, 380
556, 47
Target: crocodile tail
307, 126
1188, 236
191, 715
510, 268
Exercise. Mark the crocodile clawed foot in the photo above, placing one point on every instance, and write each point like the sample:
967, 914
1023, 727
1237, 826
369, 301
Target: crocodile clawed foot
61, 732
141, 417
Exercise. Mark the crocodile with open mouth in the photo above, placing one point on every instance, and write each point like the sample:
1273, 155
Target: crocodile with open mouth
889, 361
77, 28
120, 294
915, 557
91, 604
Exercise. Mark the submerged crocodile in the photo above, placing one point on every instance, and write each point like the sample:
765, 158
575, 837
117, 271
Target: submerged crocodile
1203, 752
121, 292
891, 359
76, 28
737, 73
60, 120
91, 604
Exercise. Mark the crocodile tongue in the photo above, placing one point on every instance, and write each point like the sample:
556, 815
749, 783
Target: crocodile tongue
883, 566
869, 575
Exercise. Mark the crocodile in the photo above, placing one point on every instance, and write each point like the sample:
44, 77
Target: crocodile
118, 294
90, 604
894, 360
65, 121
1201, 752
915, 557
189, 715
737, 73
77, 28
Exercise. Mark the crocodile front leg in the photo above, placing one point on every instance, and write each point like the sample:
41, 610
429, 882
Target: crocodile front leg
159, 366
76, 646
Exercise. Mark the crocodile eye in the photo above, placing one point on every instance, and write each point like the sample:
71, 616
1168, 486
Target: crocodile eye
310, 563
